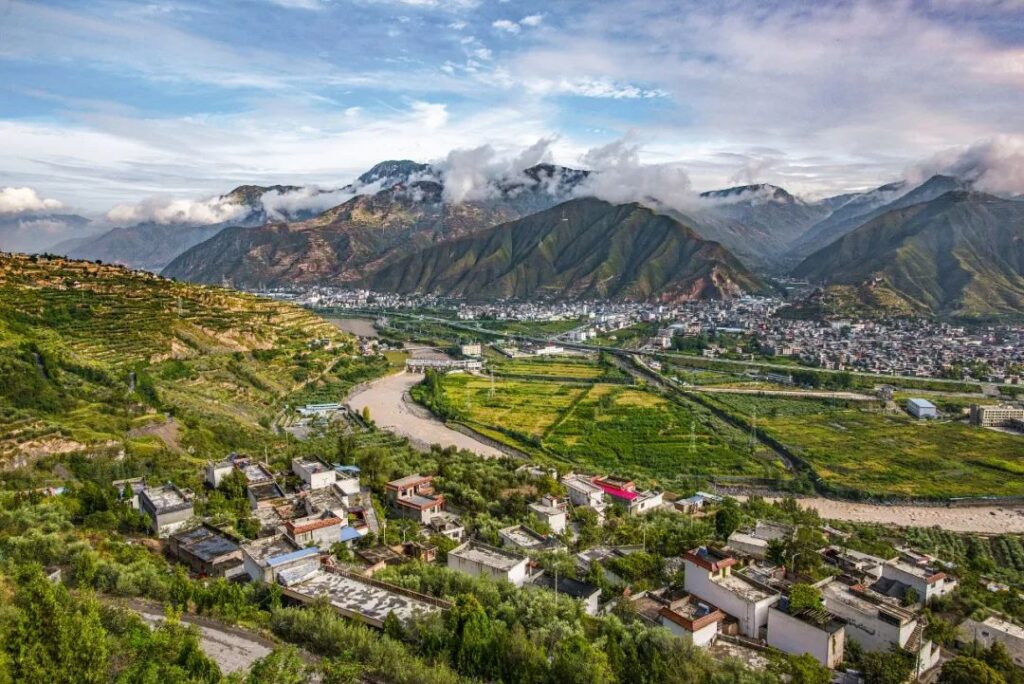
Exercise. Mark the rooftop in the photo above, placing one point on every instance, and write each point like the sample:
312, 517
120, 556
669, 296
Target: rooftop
485, 554
312, 465
523, 537
709, 559
409, 481
166, 497
265, 491
205, 543
691, 613
862, 603
254, 472
926, 573
568, 586
269, 547
419, 501
368, 598
296, 527
816, 617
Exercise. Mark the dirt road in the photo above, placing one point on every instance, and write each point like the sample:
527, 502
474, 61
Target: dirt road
392, 409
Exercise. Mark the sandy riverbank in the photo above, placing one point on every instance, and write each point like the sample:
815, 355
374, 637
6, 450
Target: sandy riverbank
981, 519
392, 409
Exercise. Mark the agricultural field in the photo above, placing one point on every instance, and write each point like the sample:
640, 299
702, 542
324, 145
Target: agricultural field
106, 359
870, 453
612, 428
582, 368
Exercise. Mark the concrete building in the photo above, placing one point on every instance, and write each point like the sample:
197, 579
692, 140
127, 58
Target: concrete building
991, 630
216, 471
709, 576
522, 538
922, 409
584, 592
551, 510
926, 581
583, 492
413, 497
482, 560
624, 492
264, 494
448, 525
813, 631
207, 551
997, 416
169, 509
318, 530
878, 624
472, 350
279, 560
314, 473
755, 542
692, 620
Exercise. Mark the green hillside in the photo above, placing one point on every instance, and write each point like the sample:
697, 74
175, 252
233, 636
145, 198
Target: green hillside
960, 255
100, 358
582, 248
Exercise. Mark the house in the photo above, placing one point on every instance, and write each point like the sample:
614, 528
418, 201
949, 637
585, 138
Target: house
472, 350
853, 562
551, 511
207, 551
927, 581
128, 490
347, 479
264, 494
413, 497
810, 630
692, 620
447, 525
314, 473
584, 592
278, 559
696, 503
583, 491
216, 471
755, 543
625, 493
922, 409
878, 624
168, 508
709, 576
318, 530
482, 560
523, 538
991, 630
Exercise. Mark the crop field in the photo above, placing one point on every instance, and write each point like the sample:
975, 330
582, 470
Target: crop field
609, 428
563, 367
889, 455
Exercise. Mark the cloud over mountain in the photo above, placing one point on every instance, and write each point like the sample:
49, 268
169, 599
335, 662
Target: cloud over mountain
25, 200
995, 165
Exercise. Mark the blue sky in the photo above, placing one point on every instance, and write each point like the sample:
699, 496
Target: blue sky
108, 101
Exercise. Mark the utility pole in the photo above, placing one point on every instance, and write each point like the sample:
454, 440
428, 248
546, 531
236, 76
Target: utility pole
693, 437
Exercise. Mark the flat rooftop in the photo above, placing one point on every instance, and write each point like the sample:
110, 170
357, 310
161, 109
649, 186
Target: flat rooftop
206, 544
266, 491
838, 592
740, 586
523, 537
165, 497
363, 598
490, 556
312, 465
254, 472
268, 547
408, 481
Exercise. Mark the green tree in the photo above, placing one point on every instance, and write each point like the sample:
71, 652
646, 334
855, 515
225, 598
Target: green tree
804, 597
887, 667
966, 670
727, 519
805, 669
280, 666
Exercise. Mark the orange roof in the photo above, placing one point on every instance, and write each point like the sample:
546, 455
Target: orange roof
311, 526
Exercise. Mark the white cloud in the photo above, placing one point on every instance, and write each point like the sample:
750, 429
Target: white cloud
506, 26
995, 165
24, 200
473, 174
173, 211
619, 176
532, 20
432, 115
594, 87
286, 206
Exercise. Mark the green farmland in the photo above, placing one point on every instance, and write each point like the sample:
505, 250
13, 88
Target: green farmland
885, 454
611, 428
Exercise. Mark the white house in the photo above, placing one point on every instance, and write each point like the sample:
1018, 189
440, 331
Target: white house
709, 577
813, 631
925, 580
692, 620
482, 560
552, 511
994, 629
921, 409
313, 472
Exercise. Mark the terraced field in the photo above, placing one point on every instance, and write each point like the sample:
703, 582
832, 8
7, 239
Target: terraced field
91, 354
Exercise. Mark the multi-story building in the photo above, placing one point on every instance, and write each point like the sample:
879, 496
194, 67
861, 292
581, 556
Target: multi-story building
413, 497
314, 473
709, 576
169, 508
997, 416
810, 630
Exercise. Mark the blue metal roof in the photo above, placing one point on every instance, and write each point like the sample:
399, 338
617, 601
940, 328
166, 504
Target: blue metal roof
348, 533
347, 469
294, 555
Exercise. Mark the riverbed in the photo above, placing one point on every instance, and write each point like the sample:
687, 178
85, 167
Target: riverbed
361, 327
391, 408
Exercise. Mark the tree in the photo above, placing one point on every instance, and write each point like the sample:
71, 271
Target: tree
393, 627
910, 597
366, 414
280, 666
965, 670
804, 597
804, 669
727, 519
887, 667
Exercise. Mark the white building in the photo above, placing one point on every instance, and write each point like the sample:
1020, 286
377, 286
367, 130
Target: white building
583, 492
926, 581
812, 631
279, 560
472, 349
551, 511
922, 409
482, 560
314, 472
991, 630
709, 577
645, 502
692, 620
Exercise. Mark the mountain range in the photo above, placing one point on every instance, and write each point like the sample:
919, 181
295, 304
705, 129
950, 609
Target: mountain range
412, 227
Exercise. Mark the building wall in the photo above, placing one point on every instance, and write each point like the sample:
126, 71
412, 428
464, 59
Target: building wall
870, 631
516, 575
701, 638
169, 523
752, 615
796, 637
642, 507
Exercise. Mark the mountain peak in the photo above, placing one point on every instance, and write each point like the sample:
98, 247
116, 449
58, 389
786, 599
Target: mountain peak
763, 191
393, 171
250, 195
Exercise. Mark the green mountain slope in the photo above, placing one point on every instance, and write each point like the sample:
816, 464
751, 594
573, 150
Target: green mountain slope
97, 357
961, 254
582, 248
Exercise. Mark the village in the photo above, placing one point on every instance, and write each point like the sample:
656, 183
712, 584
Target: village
763, 588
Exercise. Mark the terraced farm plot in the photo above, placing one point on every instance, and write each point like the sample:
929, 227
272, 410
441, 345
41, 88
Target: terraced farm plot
556, 368
609, 428
888, 455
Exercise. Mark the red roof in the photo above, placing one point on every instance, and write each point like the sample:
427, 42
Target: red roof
709, 560
626, 491
310, 526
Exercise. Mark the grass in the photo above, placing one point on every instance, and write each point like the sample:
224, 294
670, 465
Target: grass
554, 368
876, 454
630, 431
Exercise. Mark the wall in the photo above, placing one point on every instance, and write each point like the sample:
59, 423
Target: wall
796, 637
751, 615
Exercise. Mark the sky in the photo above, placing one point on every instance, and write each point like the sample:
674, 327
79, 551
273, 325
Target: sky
111, 102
